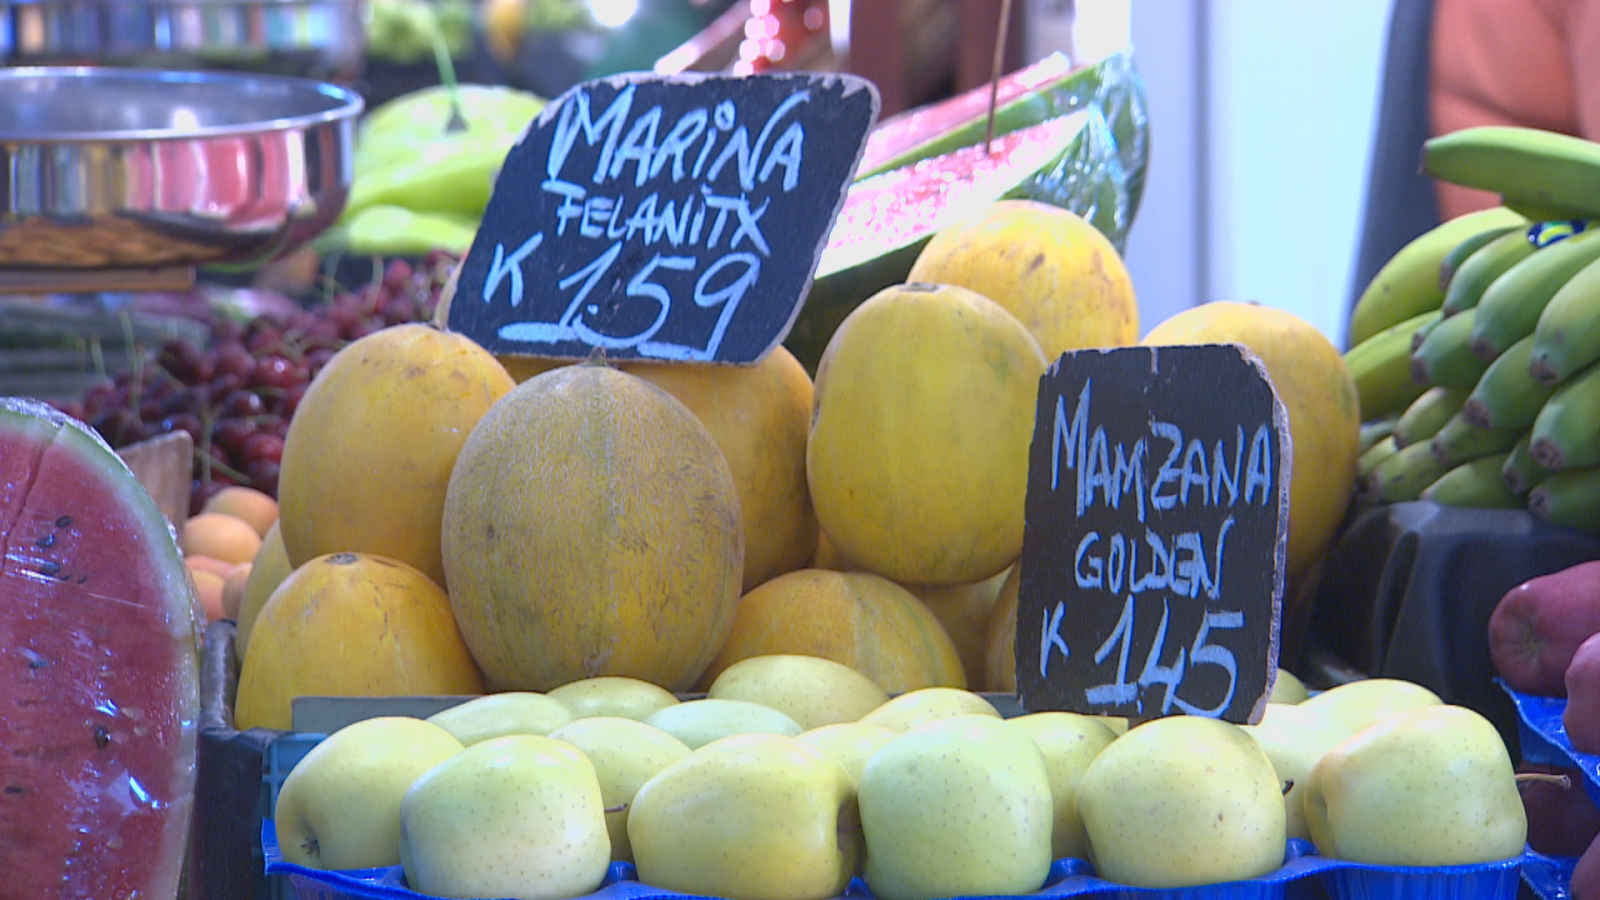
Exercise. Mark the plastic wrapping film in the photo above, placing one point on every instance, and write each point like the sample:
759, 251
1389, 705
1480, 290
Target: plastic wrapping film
1101, 177
1303, 876
100, 706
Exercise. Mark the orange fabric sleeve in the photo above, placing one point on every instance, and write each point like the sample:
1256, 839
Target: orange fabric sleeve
1513, 62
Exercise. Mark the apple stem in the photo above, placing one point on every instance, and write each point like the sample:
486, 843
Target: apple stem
620, 807
1564, 781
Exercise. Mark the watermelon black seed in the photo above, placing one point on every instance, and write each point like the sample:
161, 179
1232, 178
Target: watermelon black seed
49, 568
46, 542
35, 661
15, 789
102, 737
64, 522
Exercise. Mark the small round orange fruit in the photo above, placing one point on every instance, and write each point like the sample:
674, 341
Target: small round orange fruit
258, 508
220, 536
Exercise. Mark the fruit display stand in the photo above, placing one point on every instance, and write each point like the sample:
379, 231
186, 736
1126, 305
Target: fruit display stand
1407, 590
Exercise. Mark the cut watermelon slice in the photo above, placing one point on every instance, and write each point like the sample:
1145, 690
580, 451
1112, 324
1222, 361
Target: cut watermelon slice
887, 219
1028, 96
99, 703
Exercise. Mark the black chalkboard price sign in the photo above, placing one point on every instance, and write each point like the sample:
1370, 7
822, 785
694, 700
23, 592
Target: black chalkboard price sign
1153, 548
671, 218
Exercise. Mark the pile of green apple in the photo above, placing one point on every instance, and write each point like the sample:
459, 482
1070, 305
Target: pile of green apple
795, 774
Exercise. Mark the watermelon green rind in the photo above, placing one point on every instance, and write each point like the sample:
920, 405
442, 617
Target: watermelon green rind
886, 220
99, 702
1028, 96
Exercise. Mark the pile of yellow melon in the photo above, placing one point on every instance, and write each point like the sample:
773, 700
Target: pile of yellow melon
448, 528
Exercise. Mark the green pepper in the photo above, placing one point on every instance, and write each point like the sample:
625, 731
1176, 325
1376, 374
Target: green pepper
395, 231
446, 176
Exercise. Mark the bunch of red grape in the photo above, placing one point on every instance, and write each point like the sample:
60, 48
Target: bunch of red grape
236, 395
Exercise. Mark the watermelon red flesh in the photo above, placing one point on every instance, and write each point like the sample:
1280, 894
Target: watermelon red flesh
99, 700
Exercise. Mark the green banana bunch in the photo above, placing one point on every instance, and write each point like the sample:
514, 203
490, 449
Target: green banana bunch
1475, 484
1570, 497
1507, 396
1520, 471
1511, 305
1405, 473
1483, 267
1371, 457
1375, 431
1427, 414
1542, 174
1408, 284
1445, 357
1567, 337
1460, 253
1380, 366
1566, 433
1459, 441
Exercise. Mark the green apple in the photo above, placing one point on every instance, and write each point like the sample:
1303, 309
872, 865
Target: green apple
1069, 742
809, 689
517, 816
957, 806
748, 817
1183, 801
1358, 704
913, 708
699, 722
612, 695
497, 715
339, 807
1288, 688
1294, 738
851, 743
1117, 724
625, 753
1431, 786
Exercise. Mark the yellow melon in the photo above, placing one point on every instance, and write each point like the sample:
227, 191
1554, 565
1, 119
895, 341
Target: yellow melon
369, 451
759, 416
1310, 377
267, 571
964, 610
1047, 266
351, 625
1000, 637
592, 527
862, 620
918, 455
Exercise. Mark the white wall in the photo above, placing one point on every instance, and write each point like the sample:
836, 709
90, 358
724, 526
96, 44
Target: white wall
1262, 114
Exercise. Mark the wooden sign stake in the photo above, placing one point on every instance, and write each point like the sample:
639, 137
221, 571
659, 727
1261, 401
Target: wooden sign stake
1000, 41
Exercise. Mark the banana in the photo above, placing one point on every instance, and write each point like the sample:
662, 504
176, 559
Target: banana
1381, 369
1567, 337
1519, 471
1511, 305
1507, 396
1570, 497
1375, 431
1408, 283
1476, 484
1427, 414
1483, 267
1544, 172
1566, 433
1459, 441
1371, 457
1445, 359
1404, 474
1451, 265
1426, 328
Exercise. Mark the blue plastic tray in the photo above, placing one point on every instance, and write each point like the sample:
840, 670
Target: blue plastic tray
1544, 742
1304, 876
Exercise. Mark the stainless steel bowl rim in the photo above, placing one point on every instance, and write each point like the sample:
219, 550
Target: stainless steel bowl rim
348, 103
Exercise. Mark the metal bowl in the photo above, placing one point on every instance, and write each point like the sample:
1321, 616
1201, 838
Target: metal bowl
127, 168
323, 40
